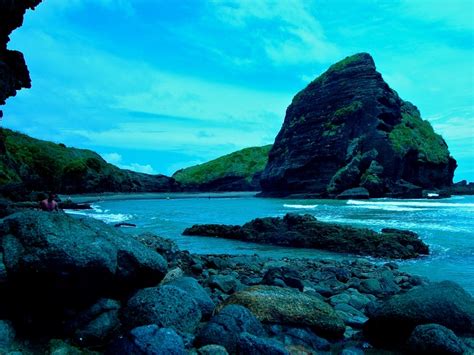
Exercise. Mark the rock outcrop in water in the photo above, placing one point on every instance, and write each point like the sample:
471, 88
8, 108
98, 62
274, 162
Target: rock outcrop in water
14, 73
28, 164
307, 232
349, 129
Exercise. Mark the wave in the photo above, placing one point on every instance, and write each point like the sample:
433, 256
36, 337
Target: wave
308, 207
410, 203
108, 218
389, 208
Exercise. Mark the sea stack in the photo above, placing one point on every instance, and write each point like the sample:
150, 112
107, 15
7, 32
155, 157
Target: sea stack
348, 129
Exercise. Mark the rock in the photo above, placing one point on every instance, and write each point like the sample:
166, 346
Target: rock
61, 347
347, 129
212, 350
165, 306
225, 283
163, 246
357, 193
225, 327
172, 275
149, 339
273, 304
14, 73
250, 344
192, 287
305, 231
7, 335
304, 338
286, 276
444, 303
55, 261
434, 339
97, 324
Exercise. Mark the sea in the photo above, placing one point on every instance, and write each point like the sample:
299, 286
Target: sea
446, 225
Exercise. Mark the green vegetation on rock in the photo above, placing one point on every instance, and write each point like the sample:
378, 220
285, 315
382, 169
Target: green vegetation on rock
349, 109
243, 163
415, 133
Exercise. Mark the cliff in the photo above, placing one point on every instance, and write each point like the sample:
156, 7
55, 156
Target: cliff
349, 129
14, 73
238, 171
29, 164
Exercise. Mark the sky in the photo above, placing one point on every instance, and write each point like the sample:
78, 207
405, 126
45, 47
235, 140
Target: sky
159, 85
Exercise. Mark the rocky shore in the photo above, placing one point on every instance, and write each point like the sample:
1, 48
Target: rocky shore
75, 285
305, 231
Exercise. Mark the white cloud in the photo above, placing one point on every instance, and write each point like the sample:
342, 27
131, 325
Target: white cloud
116, 159
287, 30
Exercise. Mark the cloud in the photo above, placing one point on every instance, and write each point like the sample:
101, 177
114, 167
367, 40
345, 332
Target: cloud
116, 159
288, 31
457, 14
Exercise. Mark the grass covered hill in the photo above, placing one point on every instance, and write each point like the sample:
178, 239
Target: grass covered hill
238, 171
38, 165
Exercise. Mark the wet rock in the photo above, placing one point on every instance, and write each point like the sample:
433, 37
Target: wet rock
287, 306
305, 231
283, 277
357, 193
97, 324
301, 337
149, 339
434, 339
225, 283
251, 344
192, 287
61, 347
225, 327
165, 306
444, 303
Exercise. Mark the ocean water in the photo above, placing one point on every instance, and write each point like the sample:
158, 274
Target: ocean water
446, 225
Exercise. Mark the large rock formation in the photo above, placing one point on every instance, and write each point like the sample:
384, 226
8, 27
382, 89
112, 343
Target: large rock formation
238, 171
14, 73
28, 164
347, 129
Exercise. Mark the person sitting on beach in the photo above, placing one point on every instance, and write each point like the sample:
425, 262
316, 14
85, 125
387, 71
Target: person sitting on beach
49, 204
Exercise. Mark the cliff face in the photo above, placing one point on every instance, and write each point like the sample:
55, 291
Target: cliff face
28, 164
347, 129
238, 171
14, 73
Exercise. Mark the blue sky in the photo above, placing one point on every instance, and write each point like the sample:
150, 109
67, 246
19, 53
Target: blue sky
157, 85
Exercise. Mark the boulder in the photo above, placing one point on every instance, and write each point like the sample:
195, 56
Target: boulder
225, 327
356, 193
225, 283
444, 303
272, 304
149, 339
305, 231
165, 306
54, 261
212, 350
434, 339
96, 325
251, 344
192, 287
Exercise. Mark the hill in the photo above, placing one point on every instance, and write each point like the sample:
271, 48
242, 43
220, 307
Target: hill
238, 171
30, 164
